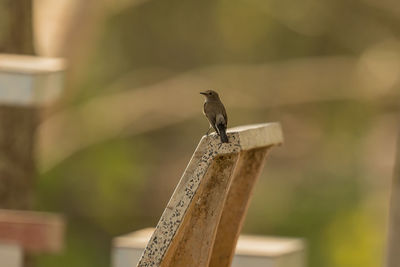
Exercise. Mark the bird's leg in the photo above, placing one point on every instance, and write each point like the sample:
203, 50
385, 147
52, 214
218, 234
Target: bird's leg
209, 128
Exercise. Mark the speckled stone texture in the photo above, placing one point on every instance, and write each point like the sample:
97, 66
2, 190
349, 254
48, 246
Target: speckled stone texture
209, 148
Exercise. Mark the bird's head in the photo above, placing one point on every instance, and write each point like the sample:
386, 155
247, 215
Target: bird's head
210, 95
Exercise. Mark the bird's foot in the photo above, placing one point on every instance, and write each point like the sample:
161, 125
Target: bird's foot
208, 131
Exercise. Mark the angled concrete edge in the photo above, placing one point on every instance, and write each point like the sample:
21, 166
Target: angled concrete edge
240, 139
258, 135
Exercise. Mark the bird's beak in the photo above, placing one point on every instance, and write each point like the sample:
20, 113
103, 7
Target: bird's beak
203, 93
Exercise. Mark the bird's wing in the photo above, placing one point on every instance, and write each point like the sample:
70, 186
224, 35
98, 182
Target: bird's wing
220, 109
225, 116
209, 111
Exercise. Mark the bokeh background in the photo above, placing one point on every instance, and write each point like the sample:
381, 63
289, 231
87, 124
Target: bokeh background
112, 149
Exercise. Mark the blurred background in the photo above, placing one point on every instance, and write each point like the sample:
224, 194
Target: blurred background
112, 149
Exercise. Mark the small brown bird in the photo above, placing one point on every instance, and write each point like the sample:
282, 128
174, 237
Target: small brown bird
216, 114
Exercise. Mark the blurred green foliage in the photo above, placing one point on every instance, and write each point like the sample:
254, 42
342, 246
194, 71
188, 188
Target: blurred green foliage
319, 185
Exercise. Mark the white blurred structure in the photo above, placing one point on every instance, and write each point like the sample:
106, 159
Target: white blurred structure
251, 251
11, 255
30, 80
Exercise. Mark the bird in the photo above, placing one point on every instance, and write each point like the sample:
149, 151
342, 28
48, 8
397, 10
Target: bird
216, 114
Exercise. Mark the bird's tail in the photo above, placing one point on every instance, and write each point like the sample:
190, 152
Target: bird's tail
222, 133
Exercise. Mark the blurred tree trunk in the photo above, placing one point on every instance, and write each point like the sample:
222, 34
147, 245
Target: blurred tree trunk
17, 124
16, 34
393, 249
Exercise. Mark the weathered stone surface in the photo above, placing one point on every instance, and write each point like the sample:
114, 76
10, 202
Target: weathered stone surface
186, 232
